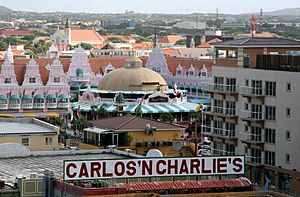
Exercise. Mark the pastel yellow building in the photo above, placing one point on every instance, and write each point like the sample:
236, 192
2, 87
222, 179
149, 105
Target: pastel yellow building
139, 135
34, 134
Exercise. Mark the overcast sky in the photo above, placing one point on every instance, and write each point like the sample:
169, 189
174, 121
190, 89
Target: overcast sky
150, 6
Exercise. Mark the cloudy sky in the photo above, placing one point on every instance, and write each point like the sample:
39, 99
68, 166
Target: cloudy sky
150, 6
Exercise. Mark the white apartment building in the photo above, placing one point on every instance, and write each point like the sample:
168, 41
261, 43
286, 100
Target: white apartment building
255, 108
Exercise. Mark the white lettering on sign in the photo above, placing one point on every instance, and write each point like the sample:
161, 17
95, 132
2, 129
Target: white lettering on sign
153, 167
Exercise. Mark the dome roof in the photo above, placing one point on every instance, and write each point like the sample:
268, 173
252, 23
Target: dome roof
133, 77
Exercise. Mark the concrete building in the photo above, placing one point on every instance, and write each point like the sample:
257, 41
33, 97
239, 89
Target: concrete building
255, 109
34, 134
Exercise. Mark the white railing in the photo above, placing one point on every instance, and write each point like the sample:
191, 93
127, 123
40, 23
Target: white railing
252, 137
107, 100
51, 105
253, 91
254, 115
3, 106
39, 105
83, 78
27, 105
254, 160
14, 106
221, 87
222, 110
220, 131
216, 151
62, 105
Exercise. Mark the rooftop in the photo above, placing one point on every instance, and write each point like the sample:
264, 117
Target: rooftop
25, 126
258, 42
133, 123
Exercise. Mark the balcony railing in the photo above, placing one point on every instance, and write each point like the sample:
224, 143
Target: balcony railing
27, 105
216, 87
39, 105
257, 161
224, 133
51, 105
14, 106
83, 78
252, 91
216, 151
62, 105
3, 106
251, 115
252, 138
216, 110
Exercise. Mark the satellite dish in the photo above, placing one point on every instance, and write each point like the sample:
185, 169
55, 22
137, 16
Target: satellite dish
154, 153
177, 145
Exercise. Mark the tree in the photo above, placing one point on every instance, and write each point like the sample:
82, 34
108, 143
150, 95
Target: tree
142, 39
166, 117
86, 46
3, 46
116, 40
181, 42
79, 124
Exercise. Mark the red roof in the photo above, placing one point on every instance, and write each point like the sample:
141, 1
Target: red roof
169, 39
260, 35
106, 37
185, 184
142, 45
208, 43
13, 32
84, 35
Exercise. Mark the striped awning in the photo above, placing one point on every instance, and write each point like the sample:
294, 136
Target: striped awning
146, 109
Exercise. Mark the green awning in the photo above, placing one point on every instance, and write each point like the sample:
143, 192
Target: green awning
27, 97
3, 97
79, 70
51, 96
94, 85
63, 96
74, 87
39, 96
14, 97
84, 86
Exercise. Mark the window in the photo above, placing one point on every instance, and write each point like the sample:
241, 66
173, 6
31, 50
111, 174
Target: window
32, 80
270, 135
246, 106
230, 84
255, 156
288, 112
287, 158
7, 80
230, 129
178, 72
288, 87
270, 88
256, 134
25, 141
156, 69
256, 111
191, 73
287, 135
230, 108
256, 87
246, 82
56, 80
270, 113
218, 127
218, 107
48, 140
229, 149
218, 148
270, 158
232, 54
219, 81
221, 53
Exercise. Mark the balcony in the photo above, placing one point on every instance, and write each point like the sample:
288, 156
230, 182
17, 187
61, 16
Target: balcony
220, 88
252, 116
254, 161
216, 151
79, 79
27, 105
51, 105
62, 105
39, 105
220, 133
250, 138
221, 111
14, 106
3, 106
247, 91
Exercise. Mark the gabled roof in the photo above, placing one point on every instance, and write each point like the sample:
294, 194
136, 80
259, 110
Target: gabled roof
208, 43
133, 123
84, 35
259, 42
169, 39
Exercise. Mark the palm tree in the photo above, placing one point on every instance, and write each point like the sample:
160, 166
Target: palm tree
166, 117
79, 124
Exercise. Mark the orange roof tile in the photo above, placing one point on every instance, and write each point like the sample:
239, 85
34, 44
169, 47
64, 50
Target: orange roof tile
106, 37
142, 45
84, 35
170, 52
169, 39
261, 35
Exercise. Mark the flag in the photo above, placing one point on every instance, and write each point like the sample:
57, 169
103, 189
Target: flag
138, 109
267, 183
199, 107
78, 111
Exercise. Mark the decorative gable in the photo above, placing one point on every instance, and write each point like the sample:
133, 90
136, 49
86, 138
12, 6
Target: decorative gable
7, 74
157, 62
32, 74
56, 74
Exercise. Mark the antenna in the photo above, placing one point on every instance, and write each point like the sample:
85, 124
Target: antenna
155, 36
217, 18
253, 25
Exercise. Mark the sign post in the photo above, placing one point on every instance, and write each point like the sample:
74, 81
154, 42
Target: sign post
153, 167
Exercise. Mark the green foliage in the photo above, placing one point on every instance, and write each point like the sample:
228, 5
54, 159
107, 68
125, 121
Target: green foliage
78, 124
116, 40
3, 46
57, 121
86, 46
181, 42
196, 116
39, 48
142, 39
166, 117
127, 139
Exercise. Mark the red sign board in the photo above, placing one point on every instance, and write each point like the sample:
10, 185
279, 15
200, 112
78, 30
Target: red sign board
153, 167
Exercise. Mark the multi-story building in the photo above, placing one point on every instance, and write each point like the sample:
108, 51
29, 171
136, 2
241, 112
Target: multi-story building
255, 109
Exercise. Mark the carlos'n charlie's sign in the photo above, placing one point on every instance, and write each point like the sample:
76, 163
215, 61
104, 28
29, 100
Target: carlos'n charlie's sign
153, 167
